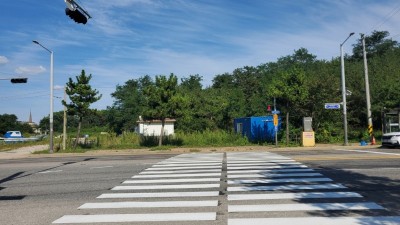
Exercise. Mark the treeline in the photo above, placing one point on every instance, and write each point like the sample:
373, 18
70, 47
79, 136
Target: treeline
300, 83
9, 122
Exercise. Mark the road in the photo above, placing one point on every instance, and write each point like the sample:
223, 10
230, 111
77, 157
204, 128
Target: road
277, 187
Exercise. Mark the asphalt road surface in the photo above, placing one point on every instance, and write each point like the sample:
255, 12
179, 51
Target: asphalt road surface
340, 186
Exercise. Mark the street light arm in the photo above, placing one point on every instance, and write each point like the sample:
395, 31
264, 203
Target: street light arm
351, 34
36, 42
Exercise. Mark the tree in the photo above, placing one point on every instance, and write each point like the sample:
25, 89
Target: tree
289, 88
128, 104
81, 95
10, 122
163, 100
376, 44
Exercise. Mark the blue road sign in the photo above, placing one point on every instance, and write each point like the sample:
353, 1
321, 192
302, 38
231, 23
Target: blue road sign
332, 105
275, 112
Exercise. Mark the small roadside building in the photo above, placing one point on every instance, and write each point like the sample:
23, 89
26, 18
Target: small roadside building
256, 128
153, 127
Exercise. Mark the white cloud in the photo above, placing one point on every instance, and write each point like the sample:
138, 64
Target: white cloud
3, 60
30, 70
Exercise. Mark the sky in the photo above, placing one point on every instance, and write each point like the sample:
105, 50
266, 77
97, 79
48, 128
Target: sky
127, 39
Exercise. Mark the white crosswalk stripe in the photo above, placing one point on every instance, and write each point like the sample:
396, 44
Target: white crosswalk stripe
306, 195
154, 187
273, 175
153, 217
269, 171
193, 180
109, 205
378, 220
161, 194
288, 180
304, 207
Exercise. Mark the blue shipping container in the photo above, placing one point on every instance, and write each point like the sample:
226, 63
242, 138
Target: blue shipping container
257, 129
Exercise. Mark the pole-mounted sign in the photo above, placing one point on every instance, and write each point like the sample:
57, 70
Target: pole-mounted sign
332, 105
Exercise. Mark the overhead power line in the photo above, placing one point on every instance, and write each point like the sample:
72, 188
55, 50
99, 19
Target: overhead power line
387, 17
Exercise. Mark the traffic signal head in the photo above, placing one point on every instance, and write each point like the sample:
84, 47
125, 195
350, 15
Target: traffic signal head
76, 15
19, 80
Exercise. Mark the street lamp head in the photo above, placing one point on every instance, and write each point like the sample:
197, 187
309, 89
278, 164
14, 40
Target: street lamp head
351, 34
36, 42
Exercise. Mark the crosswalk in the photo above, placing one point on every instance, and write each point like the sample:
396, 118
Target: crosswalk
255, 188
266, 188
184, 188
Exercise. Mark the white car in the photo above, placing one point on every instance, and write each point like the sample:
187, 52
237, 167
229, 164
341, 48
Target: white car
391, 139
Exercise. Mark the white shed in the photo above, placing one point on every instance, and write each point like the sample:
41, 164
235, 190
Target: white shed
153, 127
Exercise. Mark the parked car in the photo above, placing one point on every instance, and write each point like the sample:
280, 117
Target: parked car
391, 139
13, 134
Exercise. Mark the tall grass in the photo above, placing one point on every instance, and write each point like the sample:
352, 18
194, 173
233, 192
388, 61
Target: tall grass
135, 141
209, 138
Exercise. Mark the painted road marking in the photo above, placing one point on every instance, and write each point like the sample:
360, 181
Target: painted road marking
181, 171
179, 175
304, 207
264, 167
261, 161
287, 180
115, 218
184, 167
305, 195
381, 220
269, 175
186, 164
161, 194
172, 181
155, 187
270, 171
288, 187
232, 165
117, 205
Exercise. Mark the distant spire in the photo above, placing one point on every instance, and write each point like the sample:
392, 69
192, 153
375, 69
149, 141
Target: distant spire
30, 116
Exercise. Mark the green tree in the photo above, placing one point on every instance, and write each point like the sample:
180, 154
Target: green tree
10, 122
81, 95
290, 88
128, 105
163, 100
376, 44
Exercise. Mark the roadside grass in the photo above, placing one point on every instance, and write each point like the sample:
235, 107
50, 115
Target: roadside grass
97, 141
129, 140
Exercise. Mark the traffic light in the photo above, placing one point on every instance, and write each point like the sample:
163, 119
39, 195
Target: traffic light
76, 12
19, 80
76, 15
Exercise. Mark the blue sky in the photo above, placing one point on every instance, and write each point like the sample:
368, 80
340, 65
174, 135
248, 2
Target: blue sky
127, 39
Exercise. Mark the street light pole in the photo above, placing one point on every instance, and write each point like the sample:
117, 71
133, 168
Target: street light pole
344, 90
51, 150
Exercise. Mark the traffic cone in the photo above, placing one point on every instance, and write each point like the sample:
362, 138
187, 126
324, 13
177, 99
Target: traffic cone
373, 140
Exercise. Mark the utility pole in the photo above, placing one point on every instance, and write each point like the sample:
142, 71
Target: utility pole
276, 130
369, 115
65, 121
